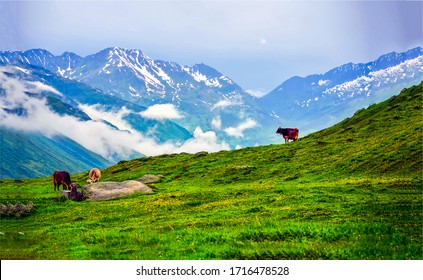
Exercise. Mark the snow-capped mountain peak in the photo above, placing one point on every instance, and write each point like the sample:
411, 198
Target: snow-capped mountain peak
145, 80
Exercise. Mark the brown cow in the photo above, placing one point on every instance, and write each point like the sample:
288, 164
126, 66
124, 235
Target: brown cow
61, 178
288, 133
94, 175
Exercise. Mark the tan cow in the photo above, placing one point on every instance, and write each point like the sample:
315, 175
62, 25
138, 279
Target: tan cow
94, 175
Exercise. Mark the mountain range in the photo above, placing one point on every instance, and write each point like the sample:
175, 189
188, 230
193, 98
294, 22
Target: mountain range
133, 76
129, 74
130, 105
319, 100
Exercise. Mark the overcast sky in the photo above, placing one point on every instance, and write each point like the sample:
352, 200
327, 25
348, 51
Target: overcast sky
259, 44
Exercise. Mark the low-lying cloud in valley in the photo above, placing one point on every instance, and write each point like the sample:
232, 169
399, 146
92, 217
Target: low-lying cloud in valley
216, 123
238, 131
97, 113
95, 135
39, 87
203, 141
161, 112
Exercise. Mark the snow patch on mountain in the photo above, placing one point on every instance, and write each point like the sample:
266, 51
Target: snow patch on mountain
26, 71
366, 84
323, 82
234, 101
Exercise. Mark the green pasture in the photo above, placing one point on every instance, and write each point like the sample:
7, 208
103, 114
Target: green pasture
352, 191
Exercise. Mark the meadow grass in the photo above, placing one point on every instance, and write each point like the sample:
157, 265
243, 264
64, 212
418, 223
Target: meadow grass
352, 191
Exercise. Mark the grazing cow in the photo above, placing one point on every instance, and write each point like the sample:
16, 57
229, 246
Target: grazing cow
61, 178
288, 133
74, 194
94, 175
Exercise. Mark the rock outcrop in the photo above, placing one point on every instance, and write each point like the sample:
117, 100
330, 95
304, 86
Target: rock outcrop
149, 179
109, 190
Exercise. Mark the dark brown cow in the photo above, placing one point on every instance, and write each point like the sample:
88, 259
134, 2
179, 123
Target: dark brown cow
74, 194
61, 178
288, 133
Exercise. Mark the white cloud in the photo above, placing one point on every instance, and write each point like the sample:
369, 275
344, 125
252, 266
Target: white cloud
239, 130
93, 135
263, 41
161, 112
203, 141
33, 86
39, 87
96, 112
216, 123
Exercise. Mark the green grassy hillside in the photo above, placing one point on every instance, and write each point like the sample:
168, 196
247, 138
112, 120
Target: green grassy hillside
352, 191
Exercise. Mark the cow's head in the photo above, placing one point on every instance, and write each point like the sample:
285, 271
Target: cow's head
279, 130
74, 187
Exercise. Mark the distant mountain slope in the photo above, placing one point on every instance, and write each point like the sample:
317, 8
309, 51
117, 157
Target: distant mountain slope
317, 101
42, 58
28, 155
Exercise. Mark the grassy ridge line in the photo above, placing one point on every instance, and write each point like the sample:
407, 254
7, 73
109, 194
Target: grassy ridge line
352, 191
